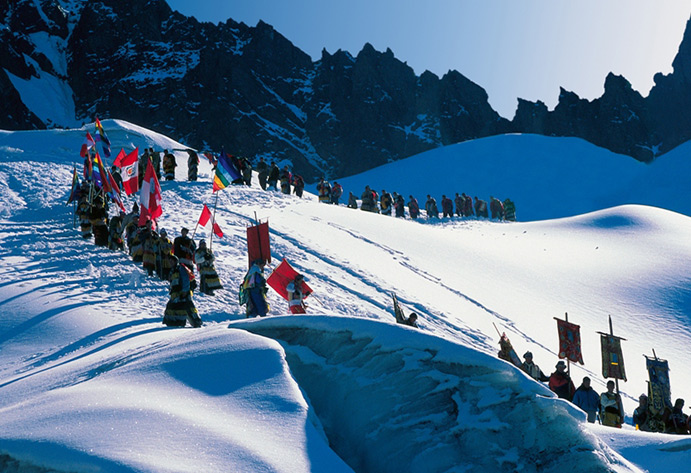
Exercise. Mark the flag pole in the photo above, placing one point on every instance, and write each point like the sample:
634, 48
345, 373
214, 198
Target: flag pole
568, 362
611, 332
74, 202
259, 237
213, 222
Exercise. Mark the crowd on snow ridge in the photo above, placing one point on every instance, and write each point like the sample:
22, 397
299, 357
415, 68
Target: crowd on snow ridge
270, 177
607, 407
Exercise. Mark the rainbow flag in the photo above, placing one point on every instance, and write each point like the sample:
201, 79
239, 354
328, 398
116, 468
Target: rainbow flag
74, 193
226, 172
100, 175
105, 142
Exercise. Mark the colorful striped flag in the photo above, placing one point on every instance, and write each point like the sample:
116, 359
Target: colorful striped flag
74, 193
105, 142
100, 175
226, 172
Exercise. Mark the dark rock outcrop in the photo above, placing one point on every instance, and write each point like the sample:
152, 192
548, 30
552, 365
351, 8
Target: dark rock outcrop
250, 90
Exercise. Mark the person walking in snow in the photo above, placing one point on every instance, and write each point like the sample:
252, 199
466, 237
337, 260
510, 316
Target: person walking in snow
324, 191
184, 248
274, 175
611, 407
587, 399
253, 291
336, 193
208, 277
192, 165
298, 185
641, 414
560, 382
285, 177
509, 210
117, 177
368, 198
262, 172
446, 206
458, 200
164, 255
496, 208
352, 201
141, 165
399, 206
413, 207
180, 308
467, 205
115, 241
246, 171
532, 369
296, 296
676, 422
481, 208
386, 203
148, 238
169, 165
431, 207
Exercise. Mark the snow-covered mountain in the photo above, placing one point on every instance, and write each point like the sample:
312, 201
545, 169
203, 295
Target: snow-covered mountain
91, 380
251, 90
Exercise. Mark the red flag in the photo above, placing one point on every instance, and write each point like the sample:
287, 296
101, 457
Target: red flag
130, 172
258, 245
205, 216
569, 341
89, 143
217, 231
118, 159
281, 276
150, 196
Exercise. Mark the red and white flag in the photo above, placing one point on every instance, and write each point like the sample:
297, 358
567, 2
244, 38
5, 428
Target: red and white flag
217, 231
89, 143
149, 196
129, 170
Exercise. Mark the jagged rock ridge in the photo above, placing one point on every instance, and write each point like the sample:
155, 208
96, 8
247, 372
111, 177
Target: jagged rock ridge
250, 90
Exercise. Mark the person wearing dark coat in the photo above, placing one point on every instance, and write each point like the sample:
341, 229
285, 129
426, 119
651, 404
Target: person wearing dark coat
208, 277
413, 207
431, 207
352, 201
184, 248
481, 208
155, 162
676, 422
560, 382
262, 173
286, 177
246, 171
180, 308
274, 175
587, 399
298, 185
192, 165
446, 206
169, 165
641, 415
459, 201
399, 206
117, 177
336, 193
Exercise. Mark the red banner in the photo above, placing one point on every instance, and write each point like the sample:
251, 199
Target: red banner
569, 341
258, 246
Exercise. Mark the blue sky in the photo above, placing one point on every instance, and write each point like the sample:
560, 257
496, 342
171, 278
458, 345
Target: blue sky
512, 48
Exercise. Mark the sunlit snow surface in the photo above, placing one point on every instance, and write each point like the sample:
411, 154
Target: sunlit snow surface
91, 380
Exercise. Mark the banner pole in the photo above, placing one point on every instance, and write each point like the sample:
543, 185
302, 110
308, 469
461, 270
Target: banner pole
568, 362
213, 222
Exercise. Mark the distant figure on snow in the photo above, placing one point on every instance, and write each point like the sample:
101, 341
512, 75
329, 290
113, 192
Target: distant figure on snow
169, 165
192, 165
208, 277
253, 291
532, 369
296, 302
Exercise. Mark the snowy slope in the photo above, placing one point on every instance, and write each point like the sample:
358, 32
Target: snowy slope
546, 177
91, 379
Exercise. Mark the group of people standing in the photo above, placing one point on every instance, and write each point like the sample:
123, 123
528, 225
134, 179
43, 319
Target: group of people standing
607, 407
461, 206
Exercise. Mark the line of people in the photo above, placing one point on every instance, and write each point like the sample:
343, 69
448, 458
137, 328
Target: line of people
172, 261
607, 407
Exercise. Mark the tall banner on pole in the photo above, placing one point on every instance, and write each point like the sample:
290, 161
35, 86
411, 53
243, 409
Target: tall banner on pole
258, 246
659, 392
569, 341
612, 358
